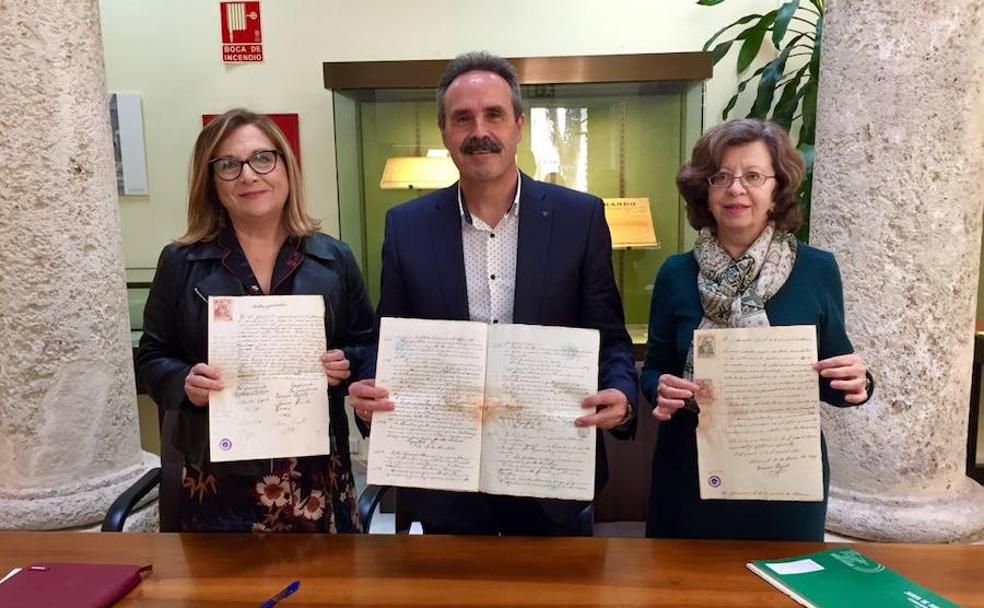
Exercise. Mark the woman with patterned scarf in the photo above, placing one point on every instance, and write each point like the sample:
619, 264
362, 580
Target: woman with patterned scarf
746, 270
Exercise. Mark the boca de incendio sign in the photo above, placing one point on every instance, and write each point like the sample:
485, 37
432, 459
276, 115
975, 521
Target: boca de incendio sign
242, 40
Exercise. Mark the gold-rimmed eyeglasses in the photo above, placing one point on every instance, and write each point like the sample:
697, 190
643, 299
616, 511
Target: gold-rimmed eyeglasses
752, 179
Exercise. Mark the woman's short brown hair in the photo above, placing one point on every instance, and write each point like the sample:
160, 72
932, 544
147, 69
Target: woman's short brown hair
705, 161
206, 215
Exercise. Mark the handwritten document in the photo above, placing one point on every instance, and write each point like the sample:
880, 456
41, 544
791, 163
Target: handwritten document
435, 372
485, 408
275, 400
758, 436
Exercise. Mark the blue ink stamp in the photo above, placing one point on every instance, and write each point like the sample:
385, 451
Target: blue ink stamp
225, 444
714, 481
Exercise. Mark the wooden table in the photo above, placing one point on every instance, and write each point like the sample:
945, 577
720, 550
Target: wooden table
242, 570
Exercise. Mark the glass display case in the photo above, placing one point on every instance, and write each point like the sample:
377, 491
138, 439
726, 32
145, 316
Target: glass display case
615, 126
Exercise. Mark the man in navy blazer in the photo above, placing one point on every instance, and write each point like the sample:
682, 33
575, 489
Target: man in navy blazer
500, 247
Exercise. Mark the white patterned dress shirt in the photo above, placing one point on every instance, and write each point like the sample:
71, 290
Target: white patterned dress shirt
490, 262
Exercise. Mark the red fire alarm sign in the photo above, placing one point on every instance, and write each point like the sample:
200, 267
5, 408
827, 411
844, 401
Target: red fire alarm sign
241, 37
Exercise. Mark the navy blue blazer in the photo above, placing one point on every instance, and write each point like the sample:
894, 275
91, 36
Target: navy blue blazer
563, 270
563, 277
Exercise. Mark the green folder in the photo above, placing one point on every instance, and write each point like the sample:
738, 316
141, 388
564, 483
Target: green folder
844, 577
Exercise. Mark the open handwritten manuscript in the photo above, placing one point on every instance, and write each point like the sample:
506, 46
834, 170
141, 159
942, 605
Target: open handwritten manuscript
486, 408
275, 400
758, 437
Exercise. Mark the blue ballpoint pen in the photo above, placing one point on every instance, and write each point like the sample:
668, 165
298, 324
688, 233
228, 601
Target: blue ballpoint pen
286, 591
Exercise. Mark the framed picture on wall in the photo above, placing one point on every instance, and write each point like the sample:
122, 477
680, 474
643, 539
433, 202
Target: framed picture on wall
288, 123
126, 119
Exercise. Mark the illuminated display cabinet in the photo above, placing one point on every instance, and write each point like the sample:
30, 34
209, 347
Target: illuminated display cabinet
617, 126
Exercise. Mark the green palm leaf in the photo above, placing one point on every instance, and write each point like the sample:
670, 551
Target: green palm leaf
808, 132
741, 87
742, 21
783, 18
753, 42
809, 155
789, 99
774, 71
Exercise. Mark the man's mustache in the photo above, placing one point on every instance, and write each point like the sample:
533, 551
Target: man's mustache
481, 144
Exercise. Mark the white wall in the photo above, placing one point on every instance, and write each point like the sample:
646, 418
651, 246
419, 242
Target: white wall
169, 52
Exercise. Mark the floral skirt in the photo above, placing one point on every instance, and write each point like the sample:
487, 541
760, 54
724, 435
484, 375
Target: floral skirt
310, 494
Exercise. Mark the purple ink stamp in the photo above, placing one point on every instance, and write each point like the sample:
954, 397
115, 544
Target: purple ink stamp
714, 481
225, 444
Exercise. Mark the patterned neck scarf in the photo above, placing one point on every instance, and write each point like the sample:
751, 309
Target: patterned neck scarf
733, 292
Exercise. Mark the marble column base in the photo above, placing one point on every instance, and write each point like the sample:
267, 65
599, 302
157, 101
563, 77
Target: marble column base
957, 516
73, 505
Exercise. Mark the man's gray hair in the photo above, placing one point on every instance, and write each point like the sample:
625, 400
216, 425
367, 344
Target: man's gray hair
481, 61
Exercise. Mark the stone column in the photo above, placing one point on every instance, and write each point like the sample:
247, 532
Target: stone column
899, 194
68, 433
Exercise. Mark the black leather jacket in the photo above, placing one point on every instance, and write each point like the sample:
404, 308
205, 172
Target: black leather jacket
176, 324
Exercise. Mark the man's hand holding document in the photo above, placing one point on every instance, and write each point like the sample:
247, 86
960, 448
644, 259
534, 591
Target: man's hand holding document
758, 437
483, 407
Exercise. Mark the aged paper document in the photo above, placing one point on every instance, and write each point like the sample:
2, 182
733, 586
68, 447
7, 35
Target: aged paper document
631, 222
435, 373
275, 400
758, 436
535, 381
485, 408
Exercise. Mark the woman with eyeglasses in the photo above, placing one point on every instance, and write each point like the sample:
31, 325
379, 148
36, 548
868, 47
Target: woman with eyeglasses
249, 234
746, 270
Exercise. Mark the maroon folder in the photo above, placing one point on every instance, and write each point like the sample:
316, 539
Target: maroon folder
61, 585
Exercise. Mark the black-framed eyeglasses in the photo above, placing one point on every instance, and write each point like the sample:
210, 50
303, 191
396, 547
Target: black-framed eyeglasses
752, 179
229, 169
